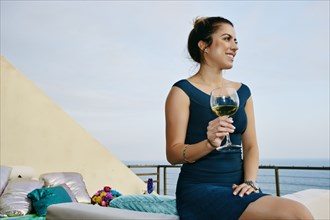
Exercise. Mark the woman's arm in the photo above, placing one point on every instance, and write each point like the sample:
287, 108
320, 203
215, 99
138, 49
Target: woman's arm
250, 152
177, 116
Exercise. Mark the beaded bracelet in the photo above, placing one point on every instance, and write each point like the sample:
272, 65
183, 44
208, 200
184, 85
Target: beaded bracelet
184, 154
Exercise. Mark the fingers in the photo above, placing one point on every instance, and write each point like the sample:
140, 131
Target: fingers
226, 123
219, 128
242, 189
221, 124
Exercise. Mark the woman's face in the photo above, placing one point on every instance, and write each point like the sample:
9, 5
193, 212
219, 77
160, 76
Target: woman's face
223, 49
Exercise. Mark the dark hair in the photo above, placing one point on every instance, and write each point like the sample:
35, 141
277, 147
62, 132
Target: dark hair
203, 29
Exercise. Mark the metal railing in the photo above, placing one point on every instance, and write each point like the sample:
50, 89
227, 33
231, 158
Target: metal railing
159, 178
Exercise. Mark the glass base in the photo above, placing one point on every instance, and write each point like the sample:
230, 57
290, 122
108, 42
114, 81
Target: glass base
228, 146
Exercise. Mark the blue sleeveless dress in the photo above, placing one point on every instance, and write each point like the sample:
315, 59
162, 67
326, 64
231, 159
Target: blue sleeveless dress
204, 188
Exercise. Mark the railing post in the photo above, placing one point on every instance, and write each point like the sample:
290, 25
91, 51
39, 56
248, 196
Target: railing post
158, 179
164, 181
275, 168
277, 181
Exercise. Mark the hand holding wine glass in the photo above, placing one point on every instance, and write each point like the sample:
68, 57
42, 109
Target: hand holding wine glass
225, 102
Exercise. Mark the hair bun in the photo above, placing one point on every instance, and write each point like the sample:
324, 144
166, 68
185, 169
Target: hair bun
199, 21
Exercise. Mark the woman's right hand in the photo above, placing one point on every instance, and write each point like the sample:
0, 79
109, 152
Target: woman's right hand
218, 129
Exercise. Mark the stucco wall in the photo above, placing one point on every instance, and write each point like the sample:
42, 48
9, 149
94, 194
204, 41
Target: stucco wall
36, 132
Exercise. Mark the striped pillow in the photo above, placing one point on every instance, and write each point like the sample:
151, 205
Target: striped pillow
146, 203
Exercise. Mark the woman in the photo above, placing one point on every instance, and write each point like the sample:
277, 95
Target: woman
217, 184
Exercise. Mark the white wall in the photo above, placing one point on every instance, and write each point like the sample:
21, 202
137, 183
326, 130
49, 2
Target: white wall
36, 132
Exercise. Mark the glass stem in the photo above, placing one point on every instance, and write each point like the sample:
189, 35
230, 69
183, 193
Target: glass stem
228, 142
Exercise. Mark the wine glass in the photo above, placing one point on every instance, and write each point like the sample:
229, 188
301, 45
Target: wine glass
225, 102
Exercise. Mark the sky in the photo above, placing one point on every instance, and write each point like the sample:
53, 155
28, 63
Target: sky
111, 64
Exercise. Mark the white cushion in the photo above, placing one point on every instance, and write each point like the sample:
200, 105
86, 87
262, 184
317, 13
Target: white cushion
316, 200
83, 211
14, 201
4, 177
73, 180
21, 172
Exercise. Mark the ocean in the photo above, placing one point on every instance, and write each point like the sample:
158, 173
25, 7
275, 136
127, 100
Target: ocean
290, 180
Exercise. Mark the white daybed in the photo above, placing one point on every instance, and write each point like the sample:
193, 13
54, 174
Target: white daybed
316, 200
87, 211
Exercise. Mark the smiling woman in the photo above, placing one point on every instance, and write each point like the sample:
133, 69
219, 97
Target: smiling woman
195, 137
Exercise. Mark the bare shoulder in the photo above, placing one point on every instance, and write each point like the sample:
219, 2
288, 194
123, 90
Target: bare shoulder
176, 91
177, 95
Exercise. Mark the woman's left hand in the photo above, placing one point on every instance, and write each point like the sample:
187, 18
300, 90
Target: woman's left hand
243, 189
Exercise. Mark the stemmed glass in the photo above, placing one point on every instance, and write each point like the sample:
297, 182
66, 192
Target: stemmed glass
225, 102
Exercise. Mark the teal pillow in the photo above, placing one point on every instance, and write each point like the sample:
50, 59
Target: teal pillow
146, 203
44, 197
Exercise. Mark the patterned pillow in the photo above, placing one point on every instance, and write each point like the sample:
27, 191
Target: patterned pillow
146, 203
42, 198
73, 180
4, 177
14, 201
